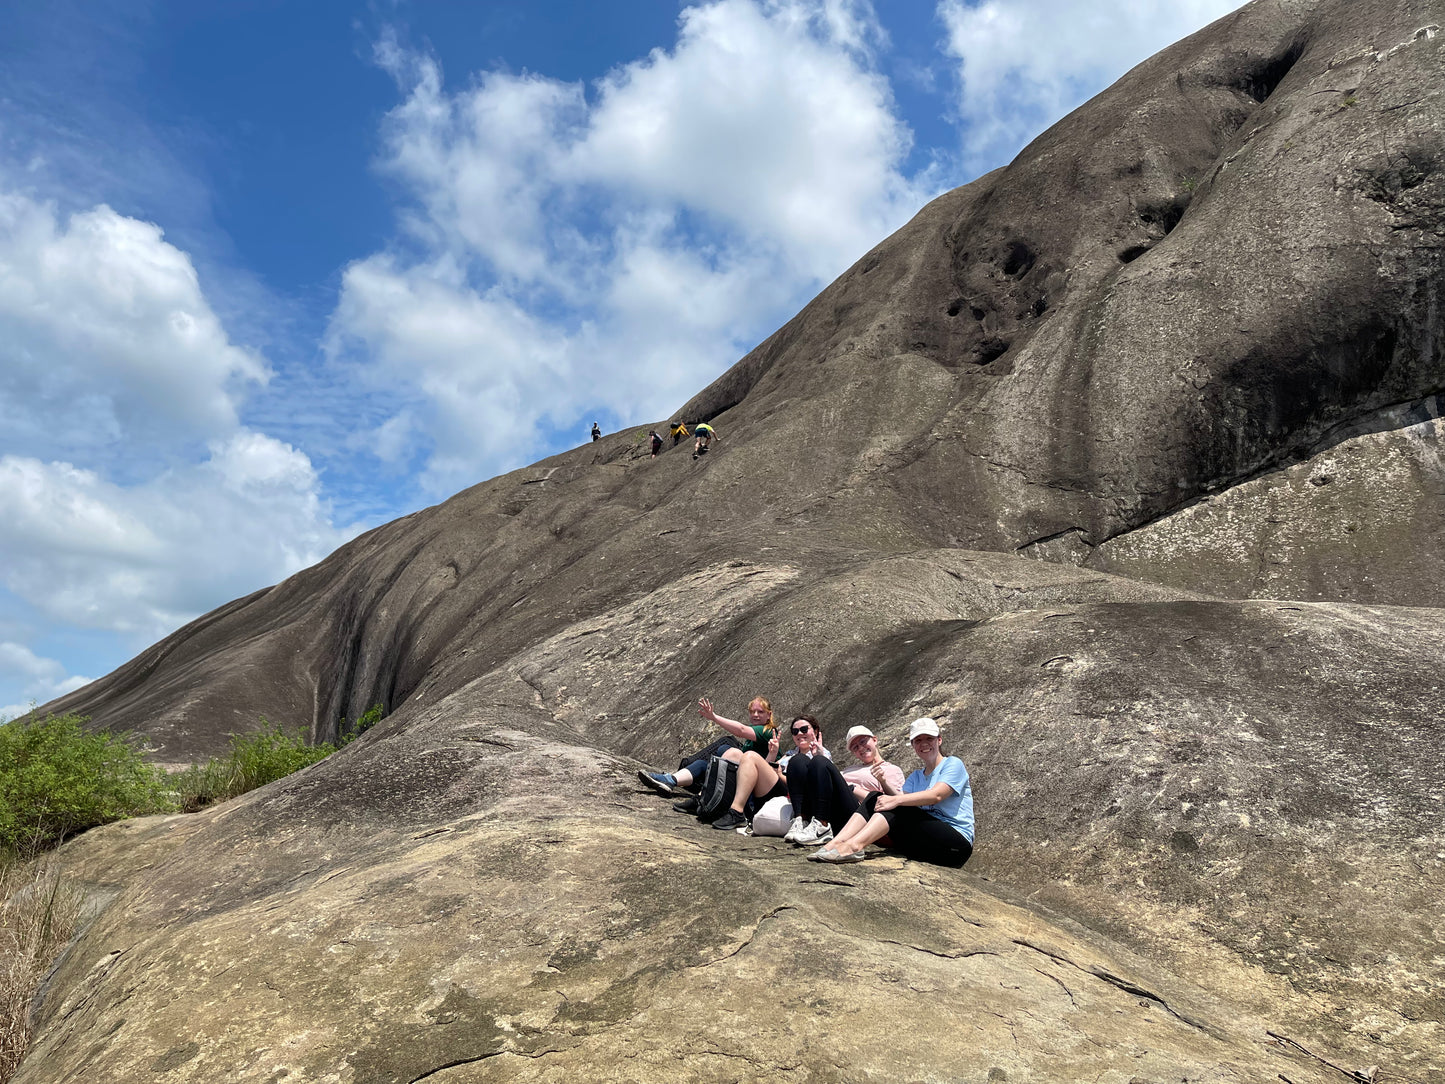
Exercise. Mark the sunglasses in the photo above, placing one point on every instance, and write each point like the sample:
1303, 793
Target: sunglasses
802, 729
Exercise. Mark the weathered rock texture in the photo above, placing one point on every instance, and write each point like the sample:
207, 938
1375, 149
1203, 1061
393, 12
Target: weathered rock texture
1050, 463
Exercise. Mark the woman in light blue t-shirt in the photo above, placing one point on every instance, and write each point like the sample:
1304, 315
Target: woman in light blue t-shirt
931, 820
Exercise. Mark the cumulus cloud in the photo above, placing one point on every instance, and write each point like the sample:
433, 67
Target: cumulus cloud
106, 337
38, 679
132, 498
1027, 63
570, 248
143, 559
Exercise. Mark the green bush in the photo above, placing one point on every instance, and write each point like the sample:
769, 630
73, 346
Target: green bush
362, 723
57, 779
255, 759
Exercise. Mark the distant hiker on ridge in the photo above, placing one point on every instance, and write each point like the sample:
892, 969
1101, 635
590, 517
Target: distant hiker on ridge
656, 442
596, 432
705, 434
679, 432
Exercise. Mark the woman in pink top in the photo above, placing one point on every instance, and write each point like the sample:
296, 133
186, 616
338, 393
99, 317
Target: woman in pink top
874, 774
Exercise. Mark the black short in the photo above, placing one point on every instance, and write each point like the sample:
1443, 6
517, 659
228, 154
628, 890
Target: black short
919, 835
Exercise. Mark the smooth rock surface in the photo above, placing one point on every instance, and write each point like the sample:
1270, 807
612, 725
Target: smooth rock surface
1035, 465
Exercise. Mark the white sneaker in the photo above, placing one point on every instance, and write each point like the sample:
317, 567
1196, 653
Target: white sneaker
791, 836
816, 832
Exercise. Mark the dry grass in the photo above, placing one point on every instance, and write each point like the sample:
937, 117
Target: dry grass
38, 915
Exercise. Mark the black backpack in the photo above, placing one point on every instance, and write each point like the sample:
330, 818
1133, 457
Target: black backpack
719, 787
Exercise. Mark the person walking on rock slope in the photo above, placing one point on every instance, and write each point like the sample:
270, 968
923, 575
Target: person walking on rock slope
596, 432
656, 442
705, 436
678, 432
931, 820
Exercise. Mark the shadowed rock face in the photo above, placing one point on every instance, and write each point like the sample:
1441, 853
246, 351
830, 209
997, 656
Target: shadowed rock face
1043, 464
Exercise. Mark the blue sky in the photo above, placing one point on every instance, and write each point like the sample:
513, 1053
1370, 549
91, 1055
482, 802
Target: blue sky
274, 273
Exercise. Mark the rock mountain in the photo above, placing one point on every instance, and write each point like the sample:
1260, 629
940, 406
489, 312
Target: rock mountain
1124, 460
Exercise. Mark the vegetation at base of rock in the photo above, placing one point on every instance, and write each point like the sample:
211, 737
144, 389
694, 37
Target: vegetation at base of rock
38, 914
57, 779
255, 759
259, 758
362, 723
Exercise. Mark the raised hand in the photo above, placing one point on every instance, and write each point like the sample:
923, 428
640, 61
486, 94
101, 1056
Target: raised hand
704, 708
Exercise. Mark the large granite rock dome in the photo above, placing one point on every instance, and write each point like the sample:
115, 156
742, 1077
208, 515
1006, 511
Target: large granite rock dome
1124, 460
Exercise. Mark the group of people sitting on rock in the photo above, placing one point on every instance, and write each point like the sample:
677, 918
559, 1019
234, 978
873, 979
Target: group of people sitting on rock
927, 816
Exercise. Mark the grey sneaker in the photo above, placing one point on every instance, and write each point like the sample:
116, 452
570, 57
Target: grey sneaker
731, 819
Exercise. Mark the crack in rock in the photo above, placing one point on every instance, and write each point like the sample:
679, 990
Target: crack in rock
480, 1057
1062, 986
1350, 1074
1127, 985
750, 937
935, 952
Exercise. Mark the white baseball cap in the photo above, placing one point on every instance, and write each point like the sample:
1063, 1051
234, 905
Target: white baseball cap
857, 732
922, 726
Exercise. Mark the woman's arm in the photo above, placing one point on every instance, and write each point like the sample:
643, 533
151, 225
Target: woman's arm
880, 772
732, 726
932, 796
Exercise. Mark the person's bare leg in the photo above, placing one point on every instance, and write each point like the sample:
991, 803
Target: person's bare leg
852, 828
747, 777
734, 754
767, 777
874, 830
755, 778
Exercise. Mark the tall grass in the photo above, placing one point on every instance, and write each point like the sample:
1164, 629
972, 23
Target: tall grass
39, 913
57, 779
255, 759
258, 758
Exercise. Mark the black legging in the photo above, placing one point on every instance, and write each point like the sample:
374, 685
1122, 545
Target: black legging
817, 789
919, 835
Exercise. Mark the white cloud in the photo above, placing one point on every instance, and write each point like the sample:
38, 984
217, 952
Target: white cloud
1027, 63
38, 679
766, 120
131, 497
569, 251
143, 559
106, 338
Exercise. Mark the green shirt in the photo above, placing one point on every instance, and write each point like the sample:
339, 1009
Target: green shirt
759, 744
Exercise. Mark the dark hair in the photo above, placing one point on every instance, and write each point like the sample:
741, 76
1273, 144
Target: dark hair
806, 718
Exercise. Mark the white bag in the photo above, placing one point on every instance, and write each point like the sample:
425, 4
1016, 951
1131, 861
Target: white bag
773, 819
